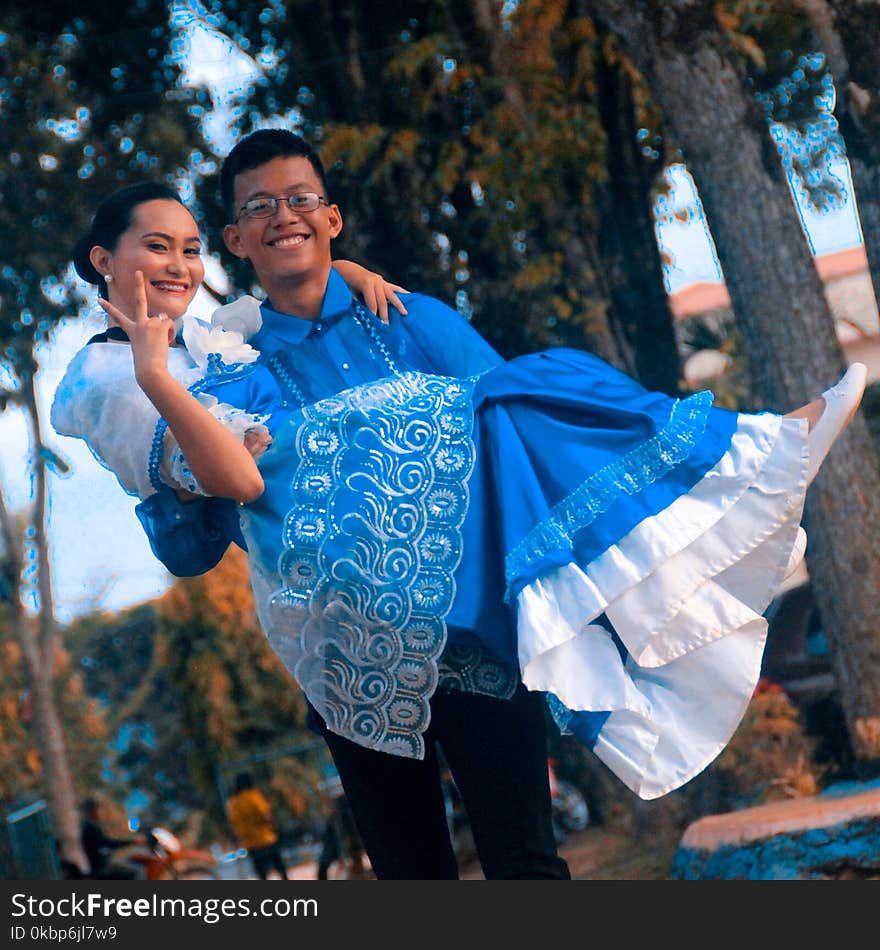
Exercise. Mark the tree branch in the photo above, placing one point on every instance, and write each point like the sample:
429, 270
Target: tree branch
46, 624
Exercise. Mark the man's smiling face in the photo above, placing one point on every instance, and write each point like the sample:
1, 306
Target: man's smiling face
289, 245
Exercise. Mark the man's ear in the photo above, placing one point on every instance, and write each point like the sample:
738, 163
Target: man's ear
100, 258
232, 240
334, 220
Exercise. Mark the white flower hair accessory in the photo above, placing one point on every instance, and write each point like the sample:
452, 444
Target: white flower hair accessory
241, 316
214, 348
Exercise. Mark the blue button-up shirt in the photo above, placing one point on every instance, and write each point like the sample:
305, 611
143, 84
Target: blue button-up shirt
347, 345
312, 359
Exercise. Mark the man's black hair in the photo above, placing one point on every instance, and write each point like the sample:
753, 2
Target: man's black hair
258, 148
243, 781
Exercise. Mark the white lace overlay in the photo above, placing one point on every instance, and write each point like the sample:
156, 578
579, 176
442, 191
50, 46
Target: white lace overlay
372, 542
685, 591
473, 669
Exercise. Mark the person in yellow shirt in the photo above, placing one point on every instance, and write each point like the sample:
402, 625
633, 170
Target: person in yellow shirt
250, 816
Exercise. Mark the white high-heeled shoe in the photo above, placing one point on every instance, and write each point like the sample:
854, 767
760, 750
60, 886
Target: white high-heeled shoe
841, 402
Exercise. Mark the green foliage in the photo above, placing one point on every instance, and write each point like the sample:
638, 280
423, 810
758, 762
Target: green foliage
466, 150
89, 100
790, 79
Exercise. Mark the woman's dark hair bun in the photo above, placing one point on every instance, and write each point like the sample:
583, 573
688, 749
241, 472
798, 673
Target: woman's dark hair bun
81, 262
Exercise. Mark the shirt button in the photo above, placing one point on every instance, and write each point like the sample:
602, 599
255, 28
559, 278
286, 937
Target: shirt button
284, 402
345, 365
318, 325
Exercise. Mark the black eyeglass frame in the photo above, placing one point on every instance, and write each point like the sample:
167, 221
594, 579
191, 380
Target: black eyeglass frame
275, 202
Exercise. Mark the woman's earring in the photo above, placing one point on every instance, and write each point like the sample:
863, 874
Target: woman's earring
108, 278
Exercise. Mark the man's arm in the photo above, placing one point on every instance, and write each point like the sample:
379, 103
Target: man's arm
95, 838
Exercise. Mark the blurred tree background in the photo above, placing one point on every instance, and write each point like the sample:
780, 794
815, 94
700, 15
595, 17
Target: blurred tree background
89, 99
505, 157
189, 684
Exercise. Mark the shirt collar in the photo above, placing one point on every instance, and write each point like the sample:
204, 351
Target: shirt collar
293, 329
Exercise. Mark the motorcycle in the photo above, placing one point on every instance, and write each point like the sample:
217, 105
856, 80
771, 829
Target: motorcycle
166, 859
162, 857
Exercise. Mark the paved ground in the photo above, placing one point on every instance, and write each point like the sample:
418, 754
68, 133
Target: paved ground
592, 854
600, 854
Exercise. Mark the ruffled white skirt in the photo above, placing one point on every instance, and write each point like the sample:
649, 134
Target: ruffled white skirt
685, 591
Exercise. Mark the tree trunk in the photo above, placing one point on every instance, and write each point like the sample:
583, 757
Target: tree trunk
487, 16
628, 243
850, 36
58, 779
778, 299
593, 281
38, 640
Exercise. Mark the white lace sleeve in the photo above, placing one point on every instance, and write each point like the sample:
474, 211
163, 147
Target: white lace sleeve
176, 471
100, 402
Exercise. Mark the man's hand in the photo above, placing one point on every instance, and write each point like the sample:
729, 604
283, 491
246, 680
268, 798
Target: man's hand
256, 441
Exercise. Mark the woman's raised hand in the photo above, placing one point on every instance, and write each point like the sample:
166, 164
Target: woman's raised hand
221, 463
377, 292
149, 336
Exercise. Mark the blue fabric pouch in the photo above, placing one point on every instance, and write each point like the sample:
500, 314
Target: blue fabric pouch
189, 538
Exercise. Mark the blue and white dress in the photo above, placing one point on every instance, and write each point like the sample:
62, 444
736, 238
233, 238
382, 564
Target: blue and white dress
612, 547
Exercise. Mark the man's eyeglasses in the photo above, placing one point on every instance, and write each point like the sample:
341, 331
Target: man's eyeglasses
266, 207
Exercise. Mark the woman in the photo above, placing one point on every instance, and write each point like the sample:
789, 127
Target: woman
146, 227
613, 547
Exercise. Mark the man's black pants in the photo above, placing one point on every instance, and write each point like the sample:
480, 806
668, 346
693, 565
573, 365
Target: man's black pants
497, 752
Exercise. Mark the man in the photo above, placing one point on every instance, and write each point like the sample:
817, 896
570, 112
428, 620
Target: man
250, 816
340, 842
318, 341
99, 846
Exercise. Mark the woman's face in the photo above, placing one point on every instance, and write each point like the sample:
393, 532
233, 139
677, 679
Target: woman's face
163, 242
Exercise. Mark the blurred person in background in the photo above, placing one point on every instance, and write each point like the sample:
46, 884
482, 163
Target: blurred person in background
253, 824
